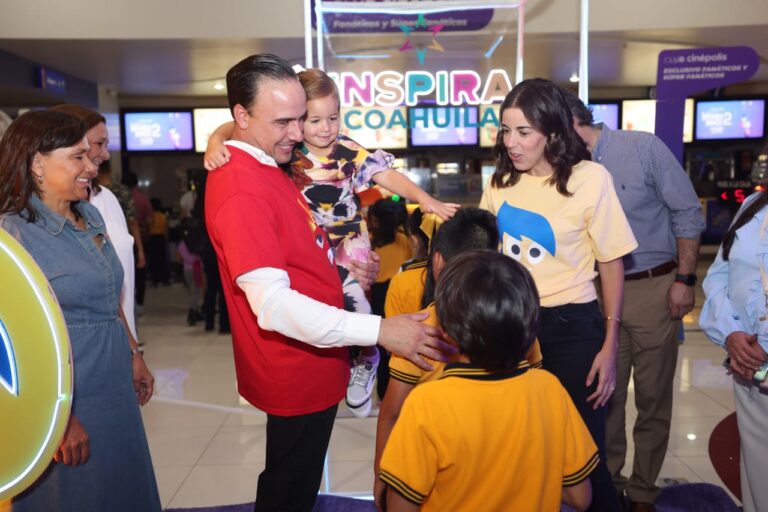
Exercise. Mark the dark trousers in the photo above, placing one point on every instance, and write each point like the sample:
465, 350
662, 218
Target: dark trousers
157, 259
296, 447
214, 294
570, 337
141, 276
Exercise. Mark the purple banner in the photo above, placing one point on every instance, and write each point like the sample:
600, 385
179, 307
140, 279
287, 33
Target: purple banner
685, 72
456, 21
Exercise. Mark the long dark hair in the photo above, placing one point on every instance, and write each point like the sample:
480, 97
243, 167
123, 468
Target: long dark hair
749, 212
544, 105
35, 132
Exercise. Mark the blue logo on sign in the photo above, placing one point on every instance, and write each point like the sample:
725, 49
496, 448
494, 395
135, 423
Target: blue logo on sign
8, 375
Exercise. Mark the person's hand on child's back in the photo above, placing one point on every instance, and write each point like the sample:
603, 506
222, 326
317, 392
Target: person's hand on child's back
366, 273
216, 155
443, 210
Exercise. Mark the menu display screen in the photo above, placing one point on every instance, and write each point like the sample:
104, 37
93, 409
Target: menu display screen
489, 125
376, 128
158, 131
730, 119
606, 113
638, 115
206, 122
443, 126
113, 131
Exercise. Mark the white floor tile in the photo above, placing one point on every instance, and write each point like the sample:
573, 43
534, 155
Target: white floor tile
169, 480
208, 486
237, 446
180, 446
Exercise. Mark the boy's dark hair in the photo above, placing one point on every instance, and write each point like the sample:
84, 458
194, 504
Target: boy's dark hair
469, 229
245, 77
488, 304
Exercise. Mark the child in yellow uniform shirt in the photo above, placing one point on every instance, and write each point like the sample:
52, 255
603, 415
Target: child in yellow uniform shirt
469, 229
492, 433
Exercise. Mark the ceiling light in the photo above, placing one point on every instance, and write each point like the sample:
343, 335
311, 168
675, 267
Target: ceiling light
218, 85
691, 437
574, 78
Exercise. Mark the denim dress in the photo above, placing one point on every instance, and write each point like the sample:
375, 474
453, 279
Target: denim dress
87, 281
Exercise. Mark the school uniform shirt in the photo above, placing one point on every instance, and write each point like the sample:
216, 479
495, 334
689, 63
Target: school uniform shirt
258, 219
393, 256
406, 290
479, 441
405, 371
559, 238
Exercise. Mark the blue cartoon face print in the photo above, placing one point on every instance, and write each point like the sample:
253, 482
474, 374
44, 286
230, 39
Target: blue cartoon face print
526, 236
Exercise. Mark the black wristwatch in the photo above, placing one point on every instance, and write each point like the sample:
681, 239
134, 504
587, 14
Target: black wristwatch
686, 279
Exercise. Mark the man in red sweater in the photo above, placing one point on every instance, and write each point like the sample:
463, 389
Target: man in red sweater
289, 329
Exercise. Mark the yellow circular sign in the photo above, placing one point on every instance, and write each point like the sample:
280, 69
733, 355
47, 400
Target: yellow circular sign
35, 370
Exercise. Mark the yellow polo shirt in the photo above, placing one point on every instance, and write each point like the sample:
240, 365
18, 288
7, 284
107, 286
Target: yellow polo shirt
479, 441
407, 372
405, 290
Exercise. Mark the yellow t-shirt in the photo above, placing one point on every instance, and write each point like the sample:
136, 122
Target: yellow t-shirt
407, 372
558, 238
405, 290
392, 256
478, 441
159, 224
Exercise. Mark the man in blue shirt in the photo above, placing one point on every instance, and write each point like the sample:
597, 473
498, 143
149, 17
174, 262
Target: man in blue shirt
665, 215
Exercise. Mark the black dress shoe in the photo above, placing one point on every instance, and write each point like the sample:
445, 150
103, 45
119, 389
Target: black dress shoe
641, 506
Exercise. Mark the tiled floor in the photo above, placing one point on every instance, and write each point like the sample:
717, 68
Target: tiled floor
208, 444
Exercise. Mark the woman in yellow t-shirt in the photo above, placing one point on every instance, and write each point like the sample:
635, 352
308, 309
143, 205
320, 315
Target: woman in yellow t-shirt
558, 215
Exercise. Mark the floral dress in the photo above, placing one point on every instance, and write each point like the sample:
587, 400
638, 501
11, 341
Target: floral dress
330, 185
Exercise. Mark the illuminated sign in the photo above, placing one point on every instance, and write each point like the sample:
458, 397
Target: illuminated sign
35, 370
8, 372
737, 195
392, 89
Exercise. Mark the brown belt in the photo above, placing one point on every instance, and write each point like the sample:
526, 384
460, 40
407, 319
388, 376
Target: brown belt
663, 269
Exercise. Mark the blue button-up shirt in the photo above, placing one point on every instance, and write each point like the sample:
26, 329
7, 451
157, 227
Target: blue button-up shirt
735, 299
655, 193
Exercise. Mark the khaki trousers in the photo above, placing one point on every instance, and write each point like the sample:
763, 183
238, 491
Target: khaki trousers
648, 347
752, 418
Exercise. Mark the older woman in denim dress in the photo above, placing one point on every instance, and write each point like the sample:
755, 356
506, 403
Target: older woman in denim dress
103, 462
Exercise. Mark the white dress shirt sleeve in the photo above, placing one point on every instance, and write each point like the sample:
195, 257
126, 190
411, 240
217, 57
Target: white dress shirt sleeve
281, 309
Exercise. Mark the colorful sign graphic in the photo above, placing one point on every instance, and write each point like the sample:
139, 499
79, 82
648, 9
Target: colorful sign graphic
685, 72
421, 53
392, 88
35, 370
370, 22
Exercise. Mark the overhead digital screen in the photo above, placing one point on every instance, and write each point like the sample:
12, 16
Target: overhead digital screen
606, 113
489, 125
730, 119
443, 126
206, 121
158, 131
638, 115
113, 131
376, 128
